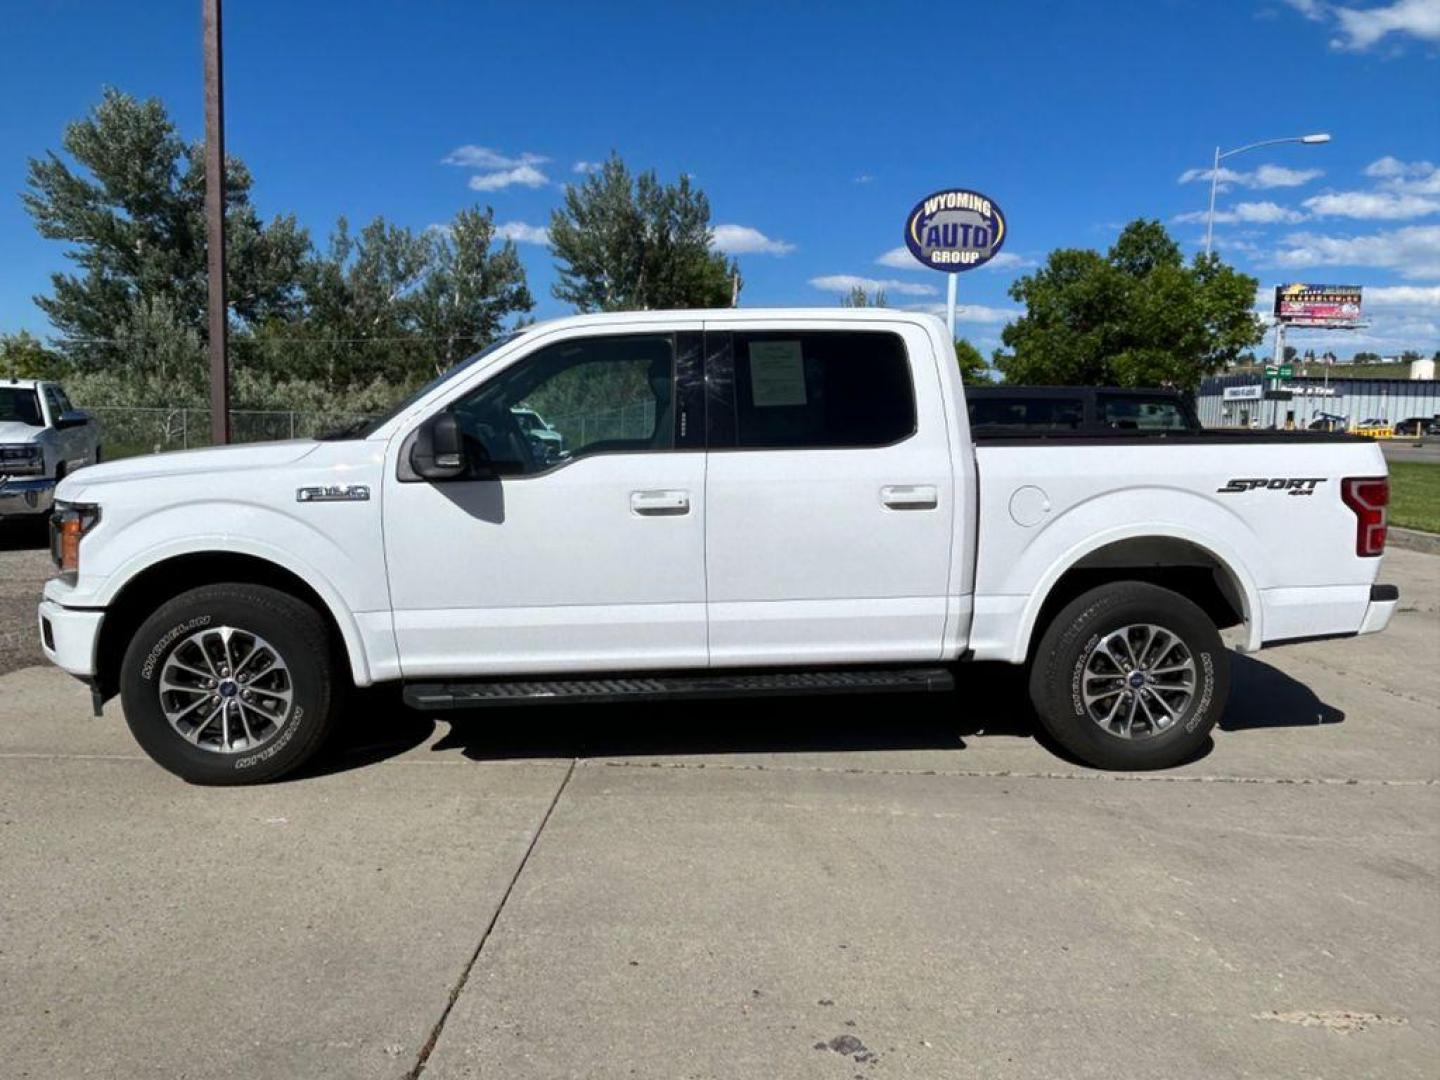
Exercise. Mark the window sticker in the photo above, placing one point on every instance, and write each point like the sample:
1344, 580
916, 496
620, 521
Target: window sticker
777, 374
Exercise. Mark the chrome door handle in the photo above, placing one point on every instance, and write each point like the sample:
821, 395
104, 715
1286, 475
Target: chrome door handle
659, 503
910, 496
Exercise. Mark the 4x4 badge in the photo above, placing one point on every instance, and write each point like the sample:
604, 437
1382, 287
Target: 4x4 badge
348, 493
1295, 485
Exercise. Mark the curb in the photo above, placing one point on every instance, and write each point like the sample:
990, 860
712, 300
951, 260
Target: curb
1414, 540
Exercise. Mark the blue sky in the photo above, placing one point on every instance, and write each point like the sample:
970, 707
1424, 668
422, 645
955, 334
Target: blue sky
812, 128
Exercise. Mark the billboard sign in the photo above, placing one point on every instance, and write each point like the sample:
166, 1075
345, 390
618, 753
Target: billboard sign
1304, 304
1242, 393
955, 230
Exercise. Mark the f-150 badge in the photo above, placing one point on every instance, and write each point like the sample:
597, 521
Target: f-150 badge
334, 493
1295, 485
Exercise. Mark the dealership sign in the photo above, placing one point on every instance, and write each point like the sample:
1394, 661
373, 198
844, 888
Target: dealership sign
955, 230
1252, 392
1318, 305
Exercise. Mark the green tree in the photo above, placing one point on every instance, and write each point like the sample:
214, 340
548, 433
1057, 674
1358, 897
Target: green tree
857, 297
132, 211
973, 368
22, 356
636, 244
1135, 316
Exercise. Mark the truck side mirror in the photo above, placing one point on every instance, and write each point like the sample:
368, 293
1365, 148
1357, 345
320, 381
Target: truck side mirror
439, 449
72, 419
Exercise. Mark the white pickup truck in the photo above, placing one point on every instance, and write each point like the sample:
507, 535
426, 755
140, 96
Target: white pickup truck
746, 502
42, 437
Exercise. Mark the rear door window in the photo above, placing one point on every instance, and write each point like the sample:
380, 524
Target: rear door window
819, 389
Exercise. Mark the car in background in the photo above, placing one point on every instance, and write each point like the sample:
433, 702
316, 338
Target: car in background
1419, 426
1376, 427
1329, 422
42, 439
1039, 410
548, 442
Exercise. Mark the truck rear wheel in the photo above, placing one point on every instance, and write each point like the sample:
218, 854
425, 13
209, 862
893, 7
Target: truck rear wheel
230, 684
1130, 676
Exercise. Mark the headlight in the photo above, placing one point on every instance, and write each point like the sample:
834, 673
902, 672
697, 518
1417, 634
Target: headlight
68, 525
21, 459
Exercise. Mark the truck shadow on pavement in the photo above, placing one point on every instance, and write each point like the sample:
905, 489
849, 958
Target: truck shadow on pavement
991, 703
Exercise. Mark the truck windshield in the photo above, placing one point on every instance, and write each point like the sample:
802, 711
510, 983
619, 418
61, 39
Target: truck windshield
363, 428
20, 405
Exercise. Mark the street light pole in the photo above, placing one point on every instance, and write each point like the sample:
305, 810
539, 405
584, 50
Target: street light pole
1220, 155
215, 222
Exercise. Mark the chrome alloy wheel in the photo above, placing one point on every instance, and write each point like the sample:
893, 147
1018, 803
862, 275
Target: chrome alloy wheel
1138, 681
226, 690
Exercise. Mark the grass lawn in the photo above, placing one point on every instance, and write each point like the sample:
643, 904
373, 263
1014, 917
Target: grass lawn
1415, 495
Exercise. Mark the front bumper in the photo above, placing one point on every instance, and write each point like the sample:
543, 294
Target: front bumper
69, 637
28, 496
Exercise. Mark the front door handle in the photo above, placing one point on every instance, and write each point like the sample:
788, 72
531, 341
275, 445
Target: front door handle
910, 496
659, 503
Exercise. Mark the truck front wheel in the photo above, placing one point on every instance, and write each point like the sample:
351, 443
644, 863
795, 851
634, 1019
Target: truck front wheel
1130, 676
230, 684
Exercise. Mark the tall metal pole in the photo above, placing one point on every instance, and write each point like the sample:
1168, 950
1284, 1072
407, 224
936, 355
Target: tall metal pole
950, 304
215, 222
1210, 217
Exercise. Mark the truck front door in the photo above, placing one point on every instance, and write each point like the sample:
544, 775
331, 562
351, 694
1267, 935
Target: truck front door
583, 549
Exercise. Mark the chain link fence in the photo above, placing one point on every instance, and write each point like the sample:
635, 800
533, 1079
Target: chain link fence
126, 431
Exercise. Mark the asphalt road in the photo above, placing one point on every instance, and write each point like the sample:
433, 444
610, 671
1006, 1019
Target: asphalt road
815, 888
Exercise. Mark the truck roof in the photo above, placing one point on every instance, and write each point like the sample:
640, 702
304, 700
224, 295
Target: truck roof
23, 384
746, 315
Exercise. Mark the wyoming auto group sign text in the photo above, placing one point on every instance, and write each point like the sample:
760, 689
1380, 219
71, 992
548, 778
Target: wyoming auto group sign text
955, 230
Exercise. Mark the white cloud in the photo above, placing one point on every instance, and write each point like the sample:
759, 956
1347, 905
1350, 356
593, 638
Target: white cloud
522, 233
1409, 178
1412, 252
1360, 28
863, 178
899, 258
587, 166
499, 170
982, 314
1364, 27
1371, 205
843, 283
1388, 167
743, 240
1259, 213
1266, 176
1410, 297
482, 157
526, 175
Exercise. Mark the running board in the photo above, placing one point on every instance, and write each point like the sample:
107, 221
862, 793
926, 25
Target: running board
472, 695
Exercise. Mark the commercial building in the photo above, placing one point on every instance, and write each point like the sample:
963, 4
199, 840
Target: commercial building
1240, 400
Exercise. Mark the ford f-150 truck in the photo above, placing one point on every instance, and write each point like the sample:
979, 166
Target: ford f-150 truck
746, 502
42, 437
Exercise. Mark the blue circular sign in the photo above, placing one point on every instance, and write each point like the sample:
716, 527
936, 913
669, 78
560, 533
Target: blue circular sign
955, 230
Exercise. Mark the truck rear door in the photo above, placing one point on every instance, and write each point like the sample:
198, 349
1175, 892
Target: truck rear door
830, 497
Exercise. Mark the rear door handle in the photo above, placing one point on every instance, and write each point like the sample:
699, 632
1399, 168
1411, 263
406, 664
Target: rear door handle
659, 503
910, 496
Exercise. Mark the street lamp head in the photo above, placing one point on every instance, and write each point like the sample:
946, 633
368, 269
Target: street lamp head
1318, 137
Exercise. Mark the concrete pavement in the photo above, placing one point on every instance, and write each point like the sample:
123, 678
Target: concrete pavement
814, 888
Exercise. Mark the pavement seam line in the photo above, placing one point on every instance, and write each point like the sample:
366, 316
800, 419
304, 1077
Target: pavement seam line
1008, 774
428, 1048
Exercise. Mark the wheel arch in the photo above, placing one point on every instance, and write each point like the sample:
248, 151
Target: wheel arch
1196, 567
169, 576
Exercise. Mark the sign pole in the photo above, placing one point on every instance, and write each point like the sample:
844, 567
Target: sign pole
950, 304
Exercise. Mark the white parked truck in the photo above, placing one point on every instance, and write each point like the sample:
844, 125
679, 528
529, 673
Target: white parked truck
746, 502
42, 438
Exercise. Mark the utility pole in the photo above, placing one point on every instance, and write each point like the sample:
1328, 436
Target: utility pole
215, 222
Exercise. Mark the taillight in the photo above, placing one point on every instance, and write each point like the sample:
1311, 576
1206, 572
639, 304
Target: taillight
1368, 496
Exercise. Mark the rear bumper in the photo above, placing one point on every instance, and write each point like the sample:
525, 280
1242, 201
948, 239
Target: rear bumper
1384, 599
69, 637
25, 497
1369, 616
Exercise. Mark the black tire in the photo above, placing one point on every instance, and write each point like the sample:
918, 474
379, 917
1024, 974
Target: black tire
292, 629
1071, 642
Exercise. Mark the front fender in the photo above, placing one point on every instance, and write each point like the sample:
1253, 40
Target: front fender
345, 571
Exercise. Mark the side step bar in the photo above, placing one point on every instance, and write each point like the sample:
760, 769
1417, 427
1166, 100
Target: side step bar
472, 695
